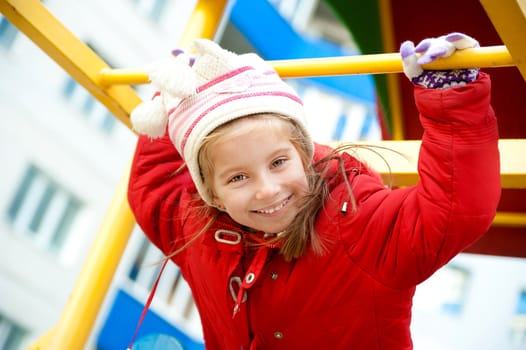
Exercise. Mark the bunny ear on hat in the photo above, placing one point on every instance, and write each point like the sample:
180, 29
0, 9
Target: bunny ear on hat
213, 60
173, 75
175, 79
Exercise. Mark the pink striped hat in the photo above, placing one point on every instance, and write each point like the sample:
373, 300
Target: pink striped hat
196, 95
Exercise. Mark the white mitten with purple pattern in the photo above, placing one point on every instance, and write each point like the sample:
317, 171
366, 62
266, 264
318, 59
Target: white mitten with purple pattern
432, 49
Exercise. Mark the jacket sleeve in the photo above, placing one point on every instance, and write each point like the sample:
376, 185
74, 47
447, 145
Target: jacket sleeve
160, 191
407, 234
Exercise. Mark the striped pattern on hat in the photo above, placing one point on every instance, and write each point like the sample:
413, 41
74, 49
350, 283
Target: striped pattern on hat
229, 86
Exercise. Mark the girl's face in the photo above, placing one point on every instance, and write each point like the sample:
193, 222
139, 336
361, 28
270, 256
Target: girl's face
258, 178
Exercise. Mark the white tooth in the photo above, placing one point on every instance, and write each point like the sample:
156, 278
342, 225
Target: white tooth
276, 208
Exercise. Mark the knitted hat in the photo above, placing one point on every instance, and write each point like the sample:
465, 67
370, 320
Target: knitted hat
196, 95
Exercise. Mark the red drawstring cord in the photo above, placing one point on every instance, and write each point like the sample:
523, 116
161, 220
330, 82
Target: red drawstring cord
147, 305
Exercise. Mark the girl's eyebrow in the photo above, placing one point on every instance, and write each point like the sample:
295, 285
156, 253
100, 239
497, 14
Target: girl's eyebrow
229, 170
280, 150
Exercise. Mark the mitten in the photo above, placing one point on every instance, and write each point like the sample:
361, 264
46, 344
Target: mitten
432, 49
174, 79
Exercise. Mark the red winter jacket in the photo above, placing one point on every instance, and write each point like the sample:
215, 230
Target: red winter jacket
359, 294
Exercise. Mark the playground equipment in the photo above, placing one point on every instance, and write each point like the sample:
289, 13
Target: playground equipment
111, 88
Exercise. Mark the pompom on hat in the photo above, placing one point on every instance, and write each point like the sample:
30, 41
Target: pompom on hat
198, 94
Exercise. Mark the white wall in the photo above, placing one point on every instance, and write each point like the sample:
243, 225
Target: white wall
491, 295
37, 125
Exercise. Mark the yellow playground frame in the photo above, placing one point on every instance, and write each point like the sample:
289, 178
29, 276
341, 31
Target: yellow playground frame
112, 88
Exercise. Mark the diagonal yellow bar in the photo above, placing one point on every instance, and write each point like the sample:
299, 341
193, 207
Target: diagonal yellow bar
204, 21
402, 157
84, 65
489, 56
43, 341
33, 19
87, 296
509, 19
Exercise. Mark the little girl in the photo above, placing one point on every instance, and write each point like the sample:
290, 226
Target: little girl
288, 244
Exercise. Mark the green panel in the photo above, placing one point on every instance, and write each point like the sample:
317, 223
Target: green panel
362, 19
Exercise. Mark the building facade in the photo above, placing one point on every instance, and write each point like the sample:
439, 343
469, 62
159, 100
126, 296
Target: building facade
63, 154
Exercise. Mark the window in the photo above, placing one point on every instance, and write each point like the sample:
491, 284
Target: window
444, 292
11, 334
455, 282
43, 210
518, 325
7, 32
173, 294
94, 111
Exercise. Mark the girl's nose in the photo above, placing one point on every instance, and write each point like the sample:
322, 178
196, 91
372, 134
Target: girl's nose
267, 188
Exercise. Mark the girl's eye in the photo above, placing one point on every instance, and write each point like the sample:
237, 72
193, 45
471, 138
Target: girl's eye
237, 178
278, 162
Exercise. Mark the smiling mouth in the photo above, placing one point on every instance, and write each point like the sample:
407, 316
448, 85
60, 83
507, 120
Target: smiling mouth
274, 209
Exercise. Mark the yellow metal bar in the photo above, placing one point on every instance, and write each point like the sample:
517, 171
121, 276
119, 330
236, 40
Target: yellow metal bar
402, 157
510, 219
77, 59
43, 342
509, 20
396, 161
393, 86
204, 21
79, 315
489, 56
90, 71
200, 25
85, 300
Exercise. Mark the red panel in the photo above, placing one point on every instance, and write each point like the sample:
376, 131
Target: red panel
416, 20
501, 242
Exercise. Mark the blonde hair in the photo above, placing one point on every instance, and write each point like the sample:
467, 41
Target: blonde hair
302, 229
301, 233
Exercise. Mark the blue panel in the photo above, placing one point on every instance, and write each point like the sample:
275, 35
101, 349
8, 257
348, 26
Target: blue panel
273, 37
122, 319
521, 304
340, 126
